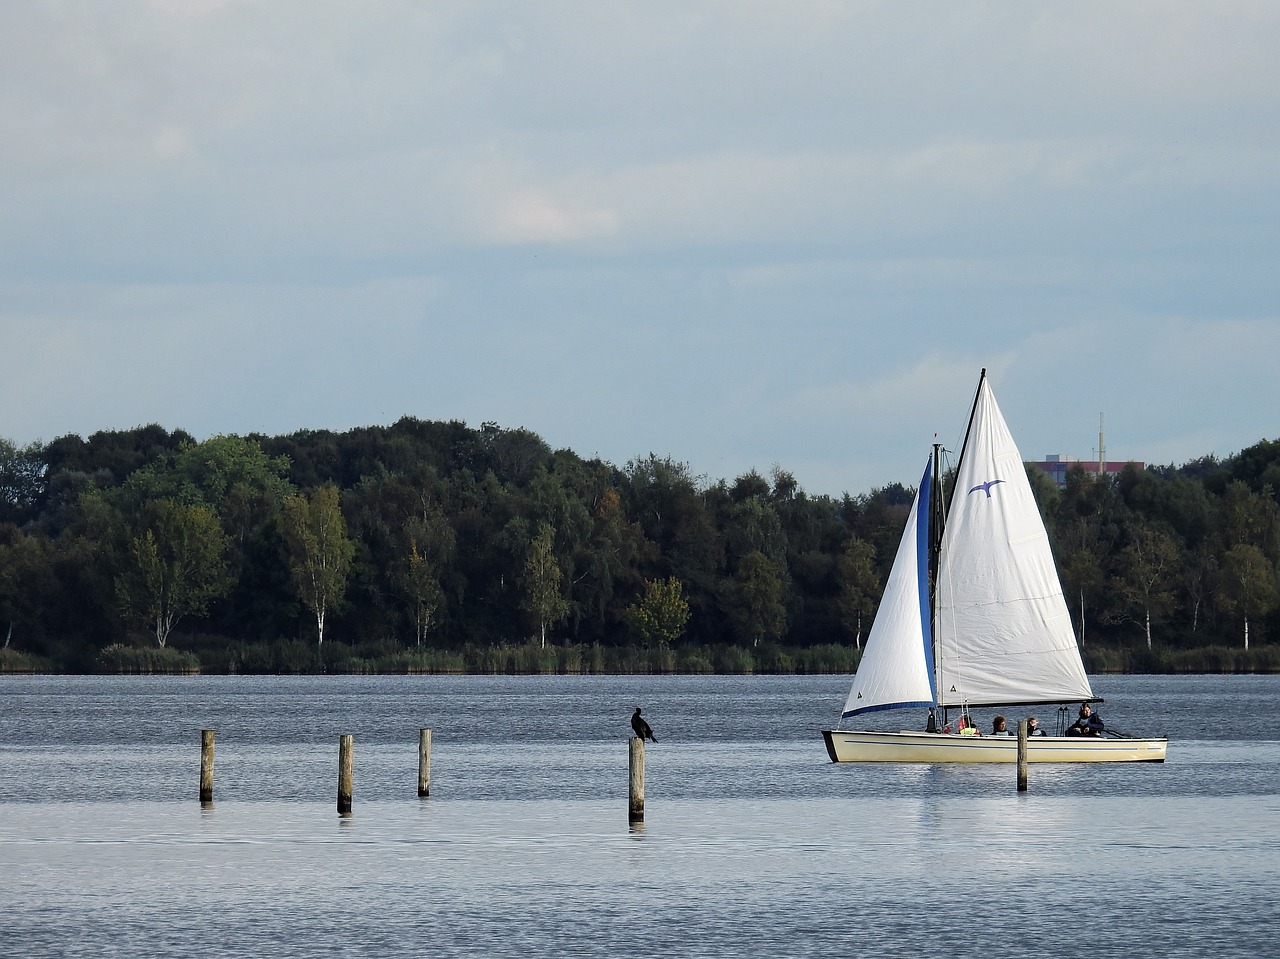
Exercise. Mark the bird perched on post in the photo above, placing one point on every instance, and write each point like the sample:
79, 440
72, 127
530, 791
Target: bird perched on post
641, 727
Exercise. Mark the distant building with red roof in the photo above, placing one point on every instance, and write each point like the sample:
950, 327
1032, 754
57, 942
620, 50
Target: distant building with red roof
1057, 466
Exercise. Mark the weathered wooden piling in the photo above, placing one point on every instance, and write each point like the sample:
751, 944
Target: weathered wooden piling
344, 773
635, 808
424, 762
1022, 756
206, 765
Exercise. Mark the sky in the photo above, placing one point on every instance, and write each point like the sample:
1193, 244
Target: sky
738, 234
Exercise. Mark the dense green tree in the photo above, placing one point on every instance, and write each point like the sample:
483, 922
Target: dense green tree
430, 546
750, 486
1249, 518
403, 573
878, 518
661, 614
752, 526
115, 453
756, 609
25, 582
22, 480
1086, 532
513, 455
607, 562
90, 539
559, 496
814, 533
232, 476
238, 480
663, 497
1258, 467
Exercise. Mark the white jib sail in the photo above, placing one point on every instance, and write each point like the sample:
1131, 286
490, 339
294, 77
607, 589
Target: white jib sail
897, 665
1004, 634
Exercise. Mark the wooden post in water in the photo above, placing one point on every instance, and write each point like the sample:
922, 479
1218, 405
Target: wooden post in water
206, 765
344, 774
424, 762
1022, 756
635, 808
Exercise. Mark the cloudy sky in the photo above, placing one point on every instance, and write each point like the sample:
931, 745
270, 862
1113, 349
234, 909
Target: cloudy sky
735, 233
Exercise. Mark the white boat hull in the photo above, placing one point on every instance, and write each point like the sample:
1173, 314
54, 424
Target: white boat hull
864, 746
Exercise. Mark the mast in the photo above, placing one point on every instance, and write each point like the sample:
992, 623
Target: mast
937, 519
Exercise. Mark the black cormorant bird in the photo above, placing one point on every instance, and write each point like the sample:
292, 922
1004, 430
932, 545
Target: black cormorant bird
641, 727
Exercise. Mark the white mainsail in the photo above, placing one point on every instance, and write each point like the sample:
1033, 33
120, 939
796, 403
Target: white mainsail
897, 665
1004, 634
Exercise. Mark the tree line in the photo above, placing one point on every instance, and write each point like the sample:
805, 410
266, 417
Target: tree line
434, 546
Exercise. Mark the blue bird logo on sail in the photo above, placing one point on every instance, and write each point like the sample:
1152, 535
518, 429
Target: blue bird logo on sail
986, 487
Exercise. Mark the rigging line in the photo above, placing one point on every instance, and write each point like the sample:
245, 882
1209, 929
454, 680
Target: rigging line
1018, 601
944, 465
946, 631
948, 635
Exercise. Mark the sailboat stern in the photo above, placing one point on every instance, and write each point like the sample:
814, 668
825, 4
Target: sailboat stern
831, 746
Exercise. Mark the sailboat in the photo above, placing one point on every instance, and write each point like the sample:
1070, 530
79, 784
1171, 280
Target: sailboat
973, 616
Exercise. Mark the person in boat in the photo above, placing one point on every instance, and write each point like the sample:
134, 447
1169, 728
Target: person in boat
999, 727
967, 728
1033, 727
1089, 723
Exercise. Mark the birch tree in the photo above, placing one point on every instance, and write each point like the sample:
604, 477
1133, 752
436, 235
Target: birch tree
175, 565
1248, 583
542, 583
860, 588
320, 551
431, 542
1148, 568
422, 587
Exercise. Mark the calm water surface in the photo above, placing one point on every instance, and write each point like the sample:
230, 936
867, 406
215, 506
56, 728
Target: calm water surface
753, 844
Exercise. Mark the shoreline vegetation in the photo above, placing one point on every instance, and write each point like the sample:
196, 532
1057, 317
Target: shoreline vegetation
433, 547
299, 658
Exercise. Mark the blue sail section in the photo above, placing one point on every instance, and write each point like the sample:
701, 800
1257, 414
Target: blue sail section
896, 670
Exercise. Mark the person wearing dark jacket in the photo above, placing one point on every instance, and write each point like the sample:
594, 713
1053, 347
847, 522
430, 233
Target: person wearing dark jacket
1089, 723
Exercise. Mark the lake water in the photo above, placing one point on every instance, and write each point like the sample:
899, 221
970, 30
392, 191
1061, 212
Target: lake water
752, 844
